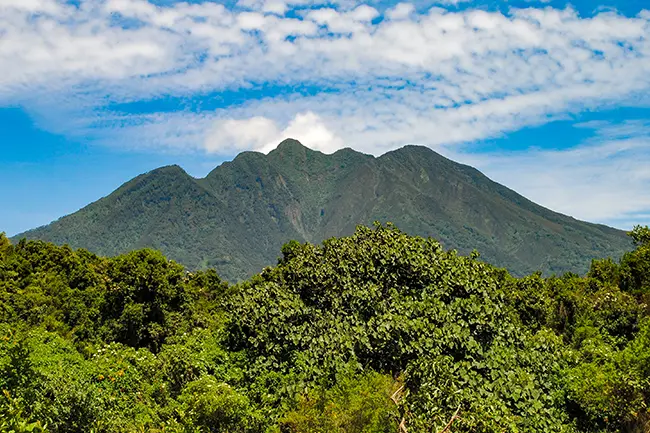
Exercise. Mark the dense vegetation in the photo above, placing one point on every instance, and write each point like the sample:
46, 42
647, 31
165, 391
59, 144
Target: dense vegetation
376, 332
237, 218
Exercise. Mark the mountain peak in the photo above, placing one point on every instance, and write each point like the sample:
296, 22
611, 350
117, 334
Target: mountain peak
291, 145
415, 150
293, 152
164, 173
169, 169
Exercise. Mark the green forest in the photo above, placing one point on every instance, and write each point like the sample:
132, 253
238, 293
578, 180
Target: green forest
376, 332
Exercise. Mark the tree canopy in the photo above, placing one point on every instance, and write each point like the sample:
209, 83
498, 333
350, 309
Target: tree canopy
371, 333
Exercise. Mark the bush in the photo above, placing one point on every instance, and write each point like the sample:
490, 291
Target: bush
214, 406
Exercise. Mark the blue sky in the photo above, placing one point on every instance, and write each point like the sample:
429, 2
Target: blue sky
550, 98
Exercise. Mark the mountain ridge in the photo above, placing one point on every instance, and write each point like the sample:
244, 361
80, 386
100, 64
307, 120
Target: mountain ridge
237, 217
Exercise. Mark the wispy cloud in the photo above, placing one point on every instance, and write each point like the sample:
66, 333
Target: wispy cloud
604, 180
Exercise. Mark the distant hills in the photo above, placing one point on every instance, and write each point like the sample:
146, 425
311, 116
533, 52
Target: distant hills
237, 218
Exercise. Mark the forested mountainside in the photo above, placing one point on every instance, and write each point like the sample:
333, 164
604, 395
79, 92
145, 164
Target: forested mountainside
237, 218
376, 332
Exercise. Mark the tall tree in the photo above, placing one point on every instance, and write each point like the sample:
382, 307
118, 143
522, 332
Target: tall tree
5, 243
635, 265
640, 235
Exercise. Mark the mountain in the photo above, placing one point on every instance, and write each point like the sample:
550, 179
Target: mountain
237, 218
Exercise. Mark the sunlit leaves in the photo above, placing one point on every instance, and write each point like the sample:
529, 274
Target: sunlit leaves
359, 334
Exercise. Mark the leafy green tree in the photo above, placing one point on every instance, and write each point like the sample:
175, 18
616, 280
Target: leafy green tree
605, 272
640, 235
612, 387
402, 305
146, 299
5, 243
214, 406
635, 265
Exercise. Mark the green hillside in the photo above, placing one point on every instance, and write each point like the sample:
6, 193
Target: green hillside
237, 218
379, 332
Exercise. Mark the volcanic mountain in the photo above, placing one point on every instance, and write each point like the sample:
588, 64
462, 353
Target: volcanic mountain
237, 218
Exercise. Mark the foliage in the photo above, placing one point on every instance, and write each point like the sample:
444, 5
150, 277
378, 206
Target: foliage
635, 265
12, 416
356, 404
362, 334
214, 406
4, 243
641, 235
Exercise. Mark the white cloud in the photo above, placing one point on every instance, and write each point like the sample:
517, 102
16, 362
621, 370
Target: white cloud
438, 78
487, 53
309, 128
262, 134
400, 11
236, 135
450, 2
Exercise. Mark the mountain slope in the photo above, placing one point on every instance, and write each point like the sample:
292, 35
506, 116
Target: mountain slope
237, 218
